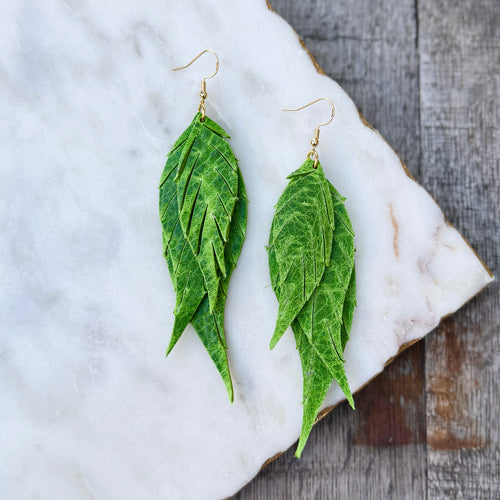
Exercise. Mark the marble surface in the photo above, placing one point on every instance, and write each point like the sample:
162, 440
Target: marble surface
90, 407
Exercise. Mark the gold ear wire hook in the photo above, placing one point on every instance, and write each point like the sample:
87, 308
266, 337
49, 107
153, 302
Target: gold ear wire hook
203, 91
315, 139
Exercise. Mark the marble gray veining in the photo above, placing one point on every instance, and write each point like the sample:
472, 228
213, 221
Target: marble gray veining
90, 408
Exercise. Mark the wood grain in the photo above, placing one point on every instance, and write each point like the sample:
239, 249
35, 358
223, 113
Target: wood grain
426, 74
460, 89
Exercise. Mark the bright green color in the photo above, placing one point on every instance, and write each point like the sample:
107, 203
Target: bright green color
203, 211
311, 262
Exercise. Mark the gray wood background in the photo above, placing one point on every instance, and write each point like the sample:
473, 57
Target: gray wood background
426, 73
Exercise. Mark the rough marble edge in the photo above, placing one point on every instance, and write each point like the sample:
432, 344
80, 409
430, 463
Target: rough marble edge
323, 413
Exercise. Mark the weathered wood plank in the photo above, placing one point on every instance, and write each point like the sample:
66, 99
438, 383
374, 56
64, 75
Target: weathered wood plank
369, 47
376, 452
460, 89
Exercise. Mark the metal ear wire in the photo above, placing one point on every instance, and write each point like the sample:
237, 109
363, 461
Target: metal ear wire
315, 139
198, 56
203, 91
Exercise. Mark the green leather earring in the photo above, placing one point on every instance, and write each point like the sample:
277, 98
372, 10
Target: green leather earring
203, 212
311, 262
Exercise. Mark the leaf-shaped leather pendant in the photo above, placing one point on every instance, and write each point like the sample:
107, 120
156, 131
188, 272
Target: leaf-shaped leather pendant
318, 299
207, 187
202, 244
300, 242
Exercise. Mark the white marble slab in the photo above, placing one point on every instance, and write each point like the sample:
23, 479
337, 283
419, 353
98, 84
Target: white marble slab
90, 407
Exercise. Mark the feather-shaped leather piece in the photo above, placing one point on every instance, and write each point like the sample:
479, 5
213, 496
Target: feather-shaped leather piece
322, 314
300, 242
207, 189
203, 215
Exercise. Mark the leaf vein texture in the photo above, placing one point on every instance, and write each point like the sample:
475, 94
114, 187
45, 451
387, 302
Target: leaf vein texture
312, 274
203, 214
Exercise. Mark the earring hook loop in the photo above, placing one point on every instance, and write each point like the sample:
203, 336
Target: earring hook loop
197, 57
203, 91
315, 139
329, 101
